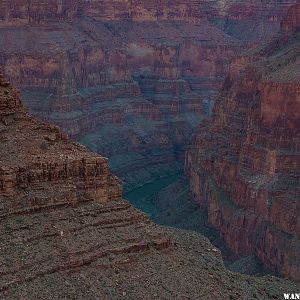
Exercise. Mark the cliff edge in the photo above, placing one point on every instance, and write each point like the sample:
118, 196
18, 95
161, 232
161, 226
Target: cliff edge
244, 164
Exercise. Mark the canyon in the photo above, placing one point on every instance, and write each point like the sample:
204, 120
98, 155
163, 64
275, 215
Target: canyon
134, 81
129, 79
244, 163
66, 232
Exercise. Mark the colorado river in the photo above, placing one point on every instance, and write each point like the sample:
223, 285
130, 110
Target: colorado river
143, 197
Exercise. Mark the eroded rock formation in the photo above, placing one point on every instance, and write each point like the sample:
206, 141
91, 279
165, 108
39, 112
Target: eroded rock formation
244, 164
37, 156
148, 90
66, 232
142, 72
252, 21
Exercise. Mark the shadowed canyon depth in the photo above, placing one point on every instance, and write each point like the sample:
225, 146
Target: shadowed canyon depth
190, 110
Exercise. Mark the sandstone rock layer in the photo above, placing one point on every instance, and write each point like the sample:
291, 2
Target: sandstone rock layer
244, 163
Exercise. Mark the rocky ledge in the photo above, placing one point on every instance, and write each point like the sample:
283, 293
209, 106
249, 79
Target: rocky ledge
37, 156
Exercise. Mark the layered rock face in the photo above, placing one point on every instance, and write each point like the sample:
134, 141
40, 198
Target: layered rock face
137, 10
292, 20
144, 73
37, 157
244, 163
40, 11
22, 11
66, 232
144, 84
239, 10
252, 21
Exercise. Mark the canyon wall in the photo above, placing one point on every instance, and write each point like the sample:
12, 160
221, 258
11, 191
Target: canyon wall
252, 9
292, 20
146, 85
133, 84
23, 11
144, 73
137, 10
244, 163
251, 21
30, 161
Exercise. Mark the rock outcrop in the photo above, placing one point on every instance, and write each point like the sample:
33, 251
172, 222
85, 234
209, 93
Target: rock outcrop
292, 20
16, 11
37, 157
244, 163
141, 11
66, 232
252, 21
36, 12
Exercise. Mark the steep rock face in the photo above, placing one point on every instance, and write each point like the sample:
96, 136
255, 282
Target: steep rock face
20, 12
39, 11
237, 9
244, 163
138, 10
16, 11
66, 232
292, 20
252, 21
30, 162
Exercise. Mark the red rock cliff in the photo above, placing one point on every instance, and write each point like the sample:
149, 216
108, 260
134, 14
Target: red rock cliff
23, 11
30, 161
252, 20
17, 11
137, 10
244, 164
293, 19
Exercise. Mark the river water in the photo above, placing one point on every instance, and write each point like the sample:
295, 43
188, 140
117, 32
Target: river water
143, 197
